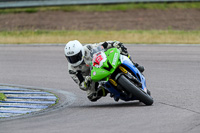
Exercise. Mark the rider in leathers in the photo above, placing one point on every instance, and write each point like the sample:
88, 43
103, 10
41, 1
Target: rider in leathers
79, 58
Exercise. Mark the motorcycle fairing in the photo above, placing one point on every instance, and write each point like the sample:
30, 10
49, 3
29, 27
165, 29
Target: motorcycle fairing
108, 66
126, 61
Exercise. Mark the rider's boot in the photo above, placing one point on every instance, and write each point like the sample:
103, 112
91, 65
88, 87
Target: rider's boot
95, 93
140, 68
93, 97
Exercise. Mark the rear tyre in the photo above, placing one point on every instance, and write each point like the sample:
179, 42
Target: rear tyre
135, 91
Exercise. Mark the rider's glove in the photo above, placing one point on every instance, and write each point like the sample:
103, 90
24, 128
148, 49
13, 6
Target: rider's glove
124, 50
116, 44
86, 83
121, 47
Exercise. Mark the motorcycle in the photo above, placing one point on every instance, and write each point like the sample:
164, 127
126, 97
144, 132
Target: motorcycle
117, 74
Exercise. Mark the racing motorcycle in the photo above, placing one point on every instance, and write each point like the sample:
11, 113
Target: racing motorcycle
117, 74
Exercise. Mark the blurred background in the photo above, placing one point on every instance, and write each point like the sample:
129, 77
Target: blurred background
89, 21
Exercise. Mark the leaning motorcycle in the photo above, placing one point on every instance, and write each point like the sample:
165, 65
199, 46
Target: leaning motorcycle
118, 75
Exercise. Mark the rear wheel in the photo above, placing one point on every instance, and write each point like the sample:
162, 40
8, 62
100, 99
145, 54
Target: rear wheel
130, 87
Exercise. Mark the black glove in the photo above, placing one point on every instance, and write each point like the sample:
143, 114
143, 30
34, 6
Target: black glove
123, 49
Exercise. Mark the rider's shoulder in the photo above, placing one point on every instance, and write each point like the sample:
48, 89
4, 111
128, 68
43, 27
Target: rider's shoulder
91, 46
110, 41
88, 46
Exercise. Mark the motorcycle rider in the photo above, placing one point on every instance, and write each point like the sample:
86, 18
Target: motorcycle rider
79, 58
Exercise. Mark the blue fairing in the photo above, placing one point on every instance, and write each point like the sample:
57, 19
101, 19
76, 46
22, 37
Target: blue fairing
139, 76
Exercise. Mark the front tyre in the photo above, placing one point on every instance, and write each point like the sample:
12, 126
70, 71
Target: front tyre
137, 92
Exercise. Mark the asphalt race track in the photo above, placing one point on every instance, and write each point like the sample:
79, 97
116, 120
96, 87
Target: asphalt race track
172, 73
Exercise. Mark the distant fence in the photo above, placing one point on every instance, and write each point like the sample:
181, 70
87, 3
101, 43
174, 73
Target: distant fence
31, 3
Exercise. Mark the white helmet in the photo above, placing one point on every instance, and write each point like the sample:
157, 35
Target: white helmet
74, 52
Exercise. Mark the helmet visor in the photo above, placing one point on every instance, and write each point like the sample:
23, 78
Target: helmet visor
75, 58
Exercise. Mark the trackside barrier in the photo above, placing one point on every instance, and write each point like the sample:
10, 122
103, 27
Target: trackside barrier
32, 3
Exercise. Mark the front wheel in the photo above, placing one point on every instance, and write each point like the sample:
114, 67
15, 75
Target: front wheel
134, 90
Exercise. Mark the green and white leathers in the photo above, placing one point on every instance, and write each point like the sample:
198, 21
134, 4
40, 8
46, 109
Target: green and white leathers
105, 64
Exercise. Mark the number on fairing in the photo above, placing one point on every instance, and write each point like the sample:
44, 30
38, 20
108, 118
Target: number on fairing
99, 59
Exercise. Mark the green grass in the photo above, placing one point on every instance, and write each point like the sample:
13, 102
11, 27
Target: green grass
2, 97
108, 7
87, 36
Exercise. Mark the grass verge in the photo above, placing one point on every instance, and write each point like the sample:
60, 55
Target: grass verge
107, 7
125, 36
2, 97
